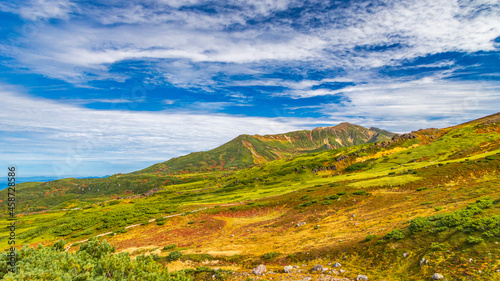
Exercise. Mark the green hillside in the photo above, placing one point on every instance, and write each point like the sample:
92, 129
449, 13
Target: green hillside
403, 208
242, 152
246, 151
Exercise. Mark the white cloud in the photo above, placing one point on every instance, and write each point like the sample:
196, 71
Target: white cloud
187, 36
40, 9
43, 130
416, 104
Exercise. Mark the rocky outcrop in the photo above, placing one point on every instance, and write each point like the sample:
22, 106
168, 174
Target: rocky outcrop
407, 136
287, 269
259, 270
318, 267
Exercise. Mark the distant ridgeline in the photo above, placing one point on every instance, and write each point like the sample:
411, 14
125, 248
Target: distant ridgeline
255, 158
246, 150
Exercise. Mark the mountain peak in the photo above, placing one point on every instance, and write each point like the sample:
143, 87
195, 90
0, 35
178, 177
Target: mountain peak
248, 150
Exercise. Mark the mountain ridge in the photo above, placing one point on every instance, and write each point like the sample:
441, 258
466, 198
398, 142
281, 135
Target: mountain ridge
249, 150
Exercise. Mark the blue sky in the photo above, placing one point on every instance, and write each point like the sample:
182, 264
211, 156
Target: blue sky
92, 88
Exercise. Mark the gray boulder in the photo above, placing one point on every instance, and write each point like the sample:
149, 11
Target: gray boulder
336, 265
259, 270
287, 269
318, 267
362, 277
437, 276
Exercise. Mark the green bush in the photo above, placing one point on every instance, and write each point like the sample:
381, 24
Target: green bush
59, 245
474, 240
270, 255
436, 246
121, 230
418, 224
370, 237
356, 167
305, 197
94, 260
340, 193
421, 188
169, 247
360, 192
173, 256
396, 234
327, 202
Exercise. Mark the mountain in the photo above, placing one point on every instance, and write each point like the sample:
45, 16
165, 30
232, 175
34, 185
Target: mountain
249, 150
404, 208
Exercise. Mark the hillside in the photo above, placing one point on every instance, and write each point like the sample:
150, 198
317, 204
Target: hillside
242, 152
246, 150
407, 208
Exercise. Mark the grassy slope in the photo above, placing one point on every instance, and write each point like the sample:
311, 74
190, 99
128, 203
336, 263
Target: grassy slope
244, 151
409, 179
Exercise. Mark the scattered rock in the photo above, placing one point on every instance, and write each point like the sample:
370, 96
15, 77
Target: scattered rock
336, 264
407, 136
287, 269
342, 271
300, 224
437, 276
405, 255
295, 266
362, 277
424, 261
471, 260
318, 267
306, 279
340, 158
259, 270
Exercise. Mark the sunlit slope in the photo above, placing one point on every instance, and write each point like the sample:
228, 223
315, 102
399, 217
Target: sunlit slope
378, 209
246, 151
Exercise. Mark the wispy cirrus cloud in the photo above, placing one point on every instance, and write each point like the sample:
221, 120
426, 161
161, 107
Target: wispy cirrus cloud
40, 9
359, 35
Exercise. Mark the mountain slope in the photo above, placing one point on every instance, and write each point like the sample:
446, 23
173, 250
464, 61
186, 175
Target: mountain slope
421, 203
246, 150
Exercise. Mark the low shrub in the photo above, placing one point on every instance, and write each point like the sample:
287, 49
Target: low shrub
169, 247
396, 234
474, 240
173, 256
270, 255
370, 237
360, 192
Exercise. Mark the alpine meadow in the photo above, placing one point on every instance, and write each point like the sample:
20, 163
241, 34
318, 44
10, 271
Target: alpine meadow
336, 202
255, 140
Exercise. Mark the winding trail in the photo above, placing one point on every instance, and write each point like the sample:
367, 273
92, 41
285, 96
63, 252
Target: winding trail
151, 220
